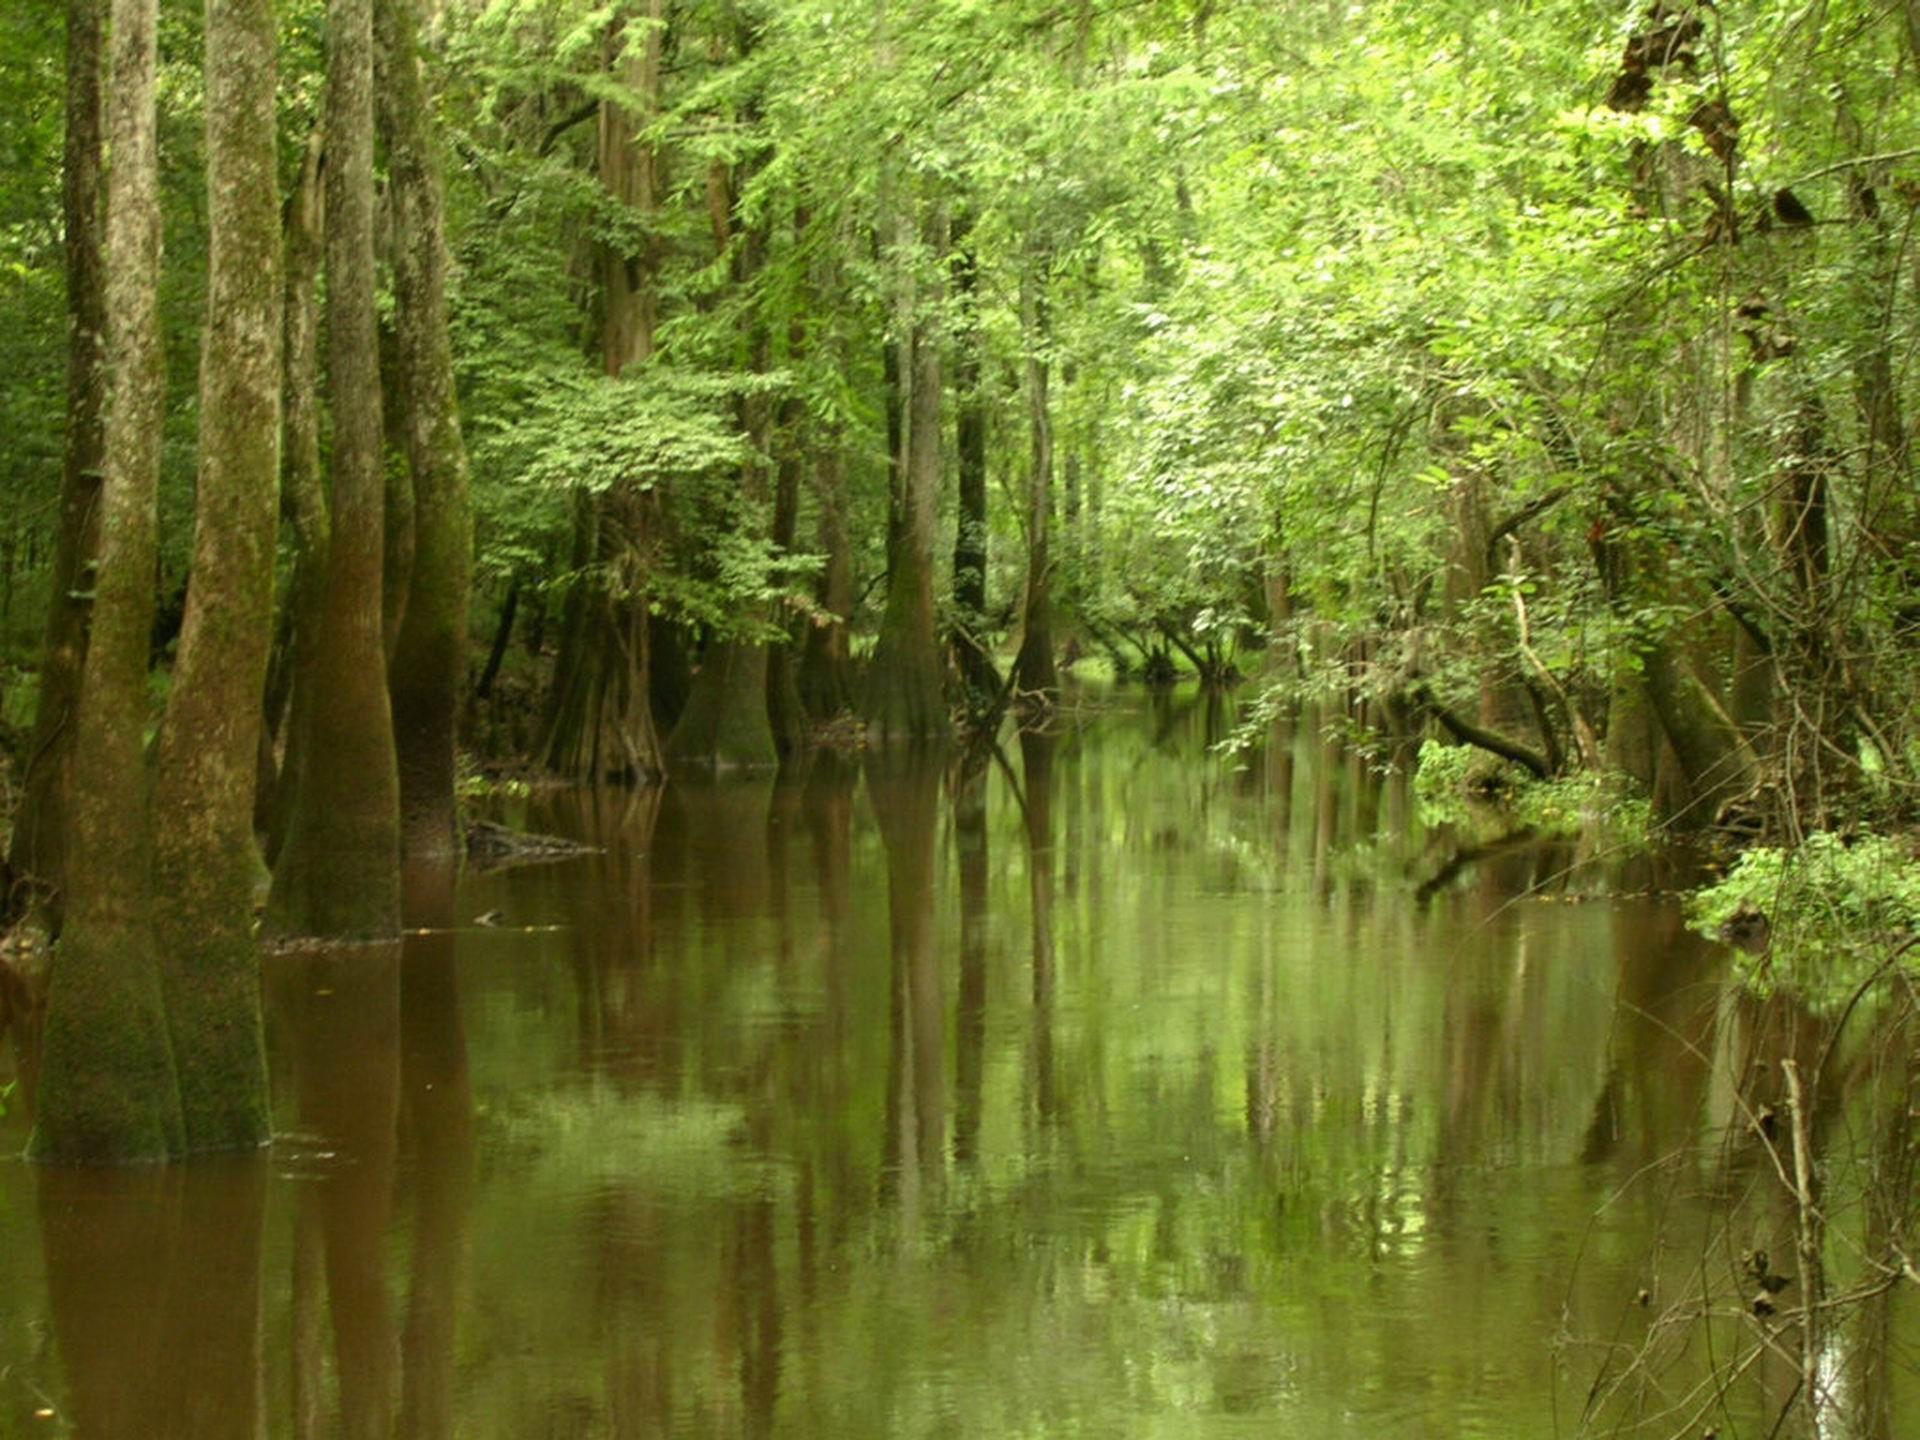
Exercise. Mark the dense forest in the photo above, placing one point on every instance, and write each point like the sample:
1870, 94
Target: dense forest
401, 395
414, 403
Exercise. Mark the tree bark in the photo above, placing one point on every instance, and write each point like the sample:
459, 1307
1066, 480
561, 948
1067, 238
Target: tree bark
338, 871
725, 724
903, 694
786, 714
602, 721
977, 673
302, 495
430, 651
204, 855
107, 1088
1038, 680
38, 851
826, 683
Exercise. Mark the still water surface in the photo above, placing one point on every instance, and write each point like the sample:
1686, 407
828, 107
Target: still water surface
1110, 1090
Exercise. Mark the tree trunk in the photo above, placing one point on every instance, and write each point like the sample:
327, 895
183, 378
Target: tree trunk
39, 830
602, 718
338, 871
826, 682
725, 724
429, 656
977, 674
903, 692
786, 715
302, 494
204, 855
1039, 682
107, 1087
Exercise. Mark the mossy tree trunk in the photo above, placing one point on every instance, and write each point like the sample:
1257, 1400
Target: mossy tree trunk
338, 871
1038, 681
302, 494
430, 651
208, 754
904, 699
38, 848
107, 1086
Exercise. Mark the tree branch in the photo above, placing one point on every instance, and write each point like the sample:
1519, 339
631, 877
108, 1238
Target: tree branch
1467, 732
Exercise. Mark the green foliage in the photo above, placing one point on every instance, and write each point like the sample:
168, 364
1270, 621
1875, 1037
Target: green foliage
1820, 919
1441, 776
1454, 784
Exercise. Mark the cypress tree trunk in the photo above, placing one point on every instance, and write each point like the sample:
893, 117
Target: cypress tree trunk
825, 680
107, 1086
39, 833
1038, 680
903, 694
302, 495
429, 656
204, 856
970, 537
786, 715
725, 724
600, 721
338, 871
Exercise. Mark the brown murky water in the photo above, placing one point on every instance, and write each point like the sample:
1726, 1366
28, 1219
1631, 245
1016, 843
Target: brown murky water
1109, 1090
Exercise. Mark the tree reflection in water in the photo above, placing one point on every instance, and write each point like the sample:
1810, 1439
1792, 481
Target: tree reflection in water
1108, 1087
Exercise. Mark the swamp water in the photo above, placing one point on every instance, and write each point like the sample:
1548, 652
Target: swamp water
1113, 1090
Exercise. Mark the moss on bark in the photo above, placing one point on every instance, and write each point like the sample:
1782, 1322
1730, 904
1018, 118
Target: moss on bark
337, 873
38, 846
725, 723
429, 652
204, 859
107, 1087
905, 699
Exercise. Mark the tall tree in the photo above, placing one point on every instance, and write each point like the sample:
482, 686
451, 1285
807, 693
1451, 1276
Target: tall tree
726, 723
1037, 677
601, 721
430, 653
205, 858
38, 850
107, 1085
337, 872
904, 699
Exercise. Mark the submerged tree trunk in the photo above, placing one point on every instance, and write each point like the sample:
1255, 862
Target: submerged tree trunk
107, 1086
338, 871
430, 652
204, 855
38, 850
904, 699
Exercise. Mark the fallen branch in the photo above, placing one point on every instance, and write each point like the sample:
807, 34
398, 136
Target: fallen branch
1468, 733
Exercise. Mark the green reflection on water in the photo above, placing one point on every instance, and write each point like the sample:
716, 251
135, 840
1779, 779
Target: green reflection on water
1103, 1089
